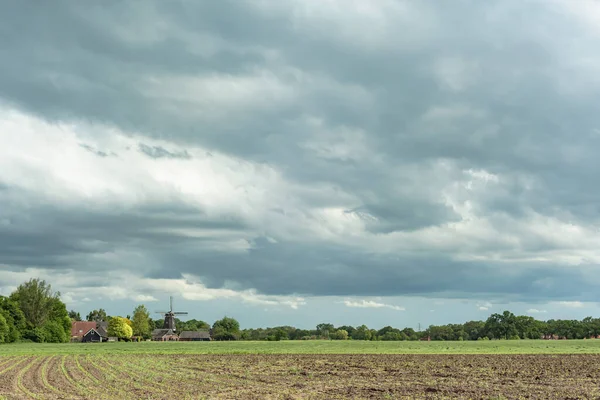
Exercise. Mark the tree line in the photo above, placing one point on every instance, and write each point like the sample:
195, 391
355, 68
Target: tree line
33, 312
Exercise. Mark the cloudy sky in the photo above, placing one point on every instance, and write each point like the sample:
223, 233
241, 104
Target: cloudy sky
301, 161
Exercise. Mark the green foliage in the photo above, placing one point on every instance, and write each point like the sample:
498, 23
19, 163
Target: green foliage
140, 322
226, 329
189, 325
502, 326
15, 319
43, 317
362, 333
97, 315
119, 327
54, 332
340, 334
33, 298
325, 329
75, 316
4, 330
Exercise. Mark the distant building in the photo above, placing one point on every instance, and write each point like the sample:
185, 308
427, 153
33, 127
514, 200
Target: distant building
95, 335
80, 328
164, 335
194, 336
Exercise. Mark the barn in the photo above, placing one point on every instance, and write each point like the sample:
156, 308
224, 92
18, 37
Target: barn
80, 328
194, 336
164, 335
95, 335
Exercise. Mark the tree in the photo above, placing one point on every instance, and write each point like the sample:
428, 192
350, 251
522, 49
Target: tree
4, 330
410, 333
226, 329
54, 332
501, 326
347, 328
391, 335
191, 325
325, 329
340, 334
75, 316
97, 315
46, 316
58, 316
474, 329
33, 298
14, 318
140, 322
362, 333
118, 327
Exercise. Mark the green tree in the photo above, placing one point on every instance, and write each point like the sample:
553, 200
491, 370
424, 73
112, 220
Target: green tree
140, 324
501, 326
119, 327
33, 298
339, 334
410, 333
75, 316
54, 332
226, 329
347, 328
325, 329
97, 316
362, 333
14, 318
58, 314
474, 329
4, 330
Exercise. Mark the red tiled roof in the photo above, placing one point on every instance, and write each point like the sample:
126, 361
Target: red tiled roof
80, 328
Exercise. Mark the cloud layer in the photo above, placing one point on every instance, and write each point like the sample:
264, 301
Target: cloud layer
272, 152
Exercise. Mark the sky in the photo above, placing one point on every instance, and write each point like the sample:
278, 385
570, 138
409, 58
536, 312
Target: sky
303, 161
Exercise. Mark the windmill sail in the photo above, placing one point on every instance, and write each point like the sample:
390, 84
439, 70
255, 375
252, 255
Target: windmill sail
170, 315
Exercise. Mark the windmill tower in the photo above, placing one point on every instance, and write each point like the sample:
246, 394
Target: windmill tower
170, 315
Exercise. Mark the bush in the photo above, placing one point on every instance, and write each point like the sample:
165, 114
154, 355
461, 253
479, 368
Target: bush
4, 330
54, 332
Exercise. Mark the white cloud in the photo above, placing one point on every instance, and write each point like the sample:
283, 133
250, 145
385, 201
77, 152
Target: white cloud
484, 306
74, 288
371, 304
535, 311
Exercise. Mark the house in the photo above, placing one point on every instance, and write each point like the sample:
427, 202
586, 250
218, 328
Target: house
194, 336
95, 335
164, 335
80, 328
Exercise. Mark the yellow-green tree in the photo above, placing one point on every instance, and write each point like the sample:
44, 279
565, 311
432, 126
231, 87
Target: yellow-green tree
140, 323
119, 327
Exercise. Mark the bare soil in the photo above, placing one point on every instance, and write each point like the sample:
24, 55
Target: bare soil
301, 377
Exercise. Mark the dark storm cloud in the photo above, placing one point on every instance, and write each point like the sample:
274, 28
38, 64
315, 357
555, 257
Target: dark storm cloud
37, 234
493, 95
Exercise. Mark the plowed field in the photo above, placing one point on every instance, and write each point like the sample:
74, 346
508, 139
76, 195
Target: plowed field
299, 376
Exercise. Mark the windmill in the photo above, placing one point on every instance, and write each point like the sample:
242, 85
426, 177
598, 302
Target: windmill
170, 315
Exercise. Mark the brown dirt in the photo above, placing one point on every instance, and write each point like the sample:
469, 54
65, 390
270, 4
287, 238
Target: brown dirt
302, 377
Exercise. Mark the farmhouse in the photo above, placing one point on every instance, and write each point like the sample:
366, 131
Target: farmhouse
80, 328
164, 335
194, 336
95, 335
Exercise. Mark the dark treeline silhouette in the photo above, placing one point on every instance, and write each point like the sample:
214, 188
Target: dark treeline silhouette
34, 313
